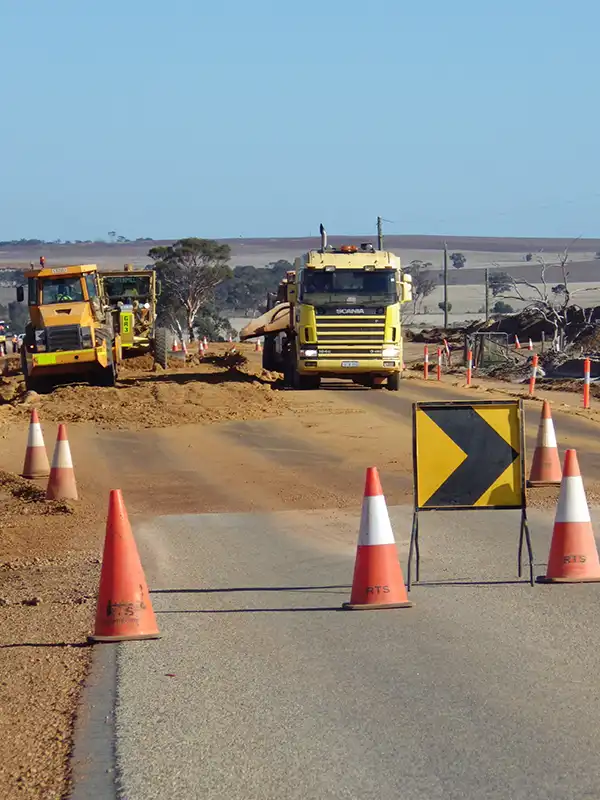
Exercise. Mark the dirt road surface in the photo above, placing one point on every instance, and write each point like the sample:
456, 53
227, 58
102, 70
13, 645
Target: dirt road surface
215, 438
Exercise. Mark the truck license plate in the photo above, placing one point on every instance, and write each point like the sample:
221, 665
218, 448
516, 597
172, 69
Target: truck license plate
349, 363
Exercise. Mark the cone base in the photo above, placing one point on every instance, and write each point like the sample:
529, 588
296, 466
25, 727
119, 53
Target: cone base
545, 579
124, 638
532, 484
367, 606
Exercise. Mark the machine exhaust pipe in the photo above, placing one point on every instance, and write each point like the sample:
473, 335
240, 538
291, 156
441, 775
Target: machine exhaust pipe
323, 238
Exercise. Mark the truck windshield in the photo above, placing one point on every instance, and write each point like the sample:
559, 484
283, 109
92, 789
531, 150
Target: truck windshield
63, 290
350, 286
132, 288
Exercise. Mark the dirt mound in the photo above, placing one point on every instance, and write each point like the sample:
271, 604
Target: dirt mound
142, 399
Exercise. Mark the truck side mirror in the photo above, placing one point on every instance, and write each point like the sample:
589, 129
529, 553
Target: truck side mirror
20, 294
407, 293
292, 292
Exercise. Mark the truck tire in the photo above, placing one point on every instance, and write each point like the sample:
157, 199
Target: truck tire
161, 349
304, 382
107, 376
393, 382
269, 356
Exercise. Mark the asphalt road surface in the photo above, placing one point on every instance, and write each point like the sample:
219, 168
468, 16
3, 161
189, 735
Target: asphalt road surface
262, 688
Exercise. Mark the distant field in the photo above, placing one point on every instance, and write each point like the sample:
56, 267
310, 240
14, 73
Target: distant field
479, 251
466, 291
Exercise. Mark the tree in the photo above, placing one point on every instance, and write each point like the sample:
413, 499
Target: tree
458, 260
190, 270
211, 324
499, 282
246, 290
423, 282
500, 307
550, 303
529, 257
448, 306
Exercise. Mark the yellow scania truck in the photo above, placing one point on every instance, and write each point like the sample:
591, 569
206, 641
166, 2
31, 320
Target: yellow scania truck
337, 315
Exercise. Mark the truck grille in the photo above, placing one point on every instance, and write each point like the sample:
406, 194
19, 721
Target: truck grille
339, 337
63, 337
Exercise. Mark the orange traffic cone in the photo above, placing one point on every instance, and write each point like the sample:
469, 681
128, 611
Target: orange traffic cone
517, 343
36, 459
378, 581
61, 483
258, 347
201, 347
175, 348
530, 345
124, 609
545, 467
573, 554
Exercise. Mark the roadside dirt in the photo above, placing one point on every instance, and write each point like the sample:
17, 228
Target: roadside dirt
221, 386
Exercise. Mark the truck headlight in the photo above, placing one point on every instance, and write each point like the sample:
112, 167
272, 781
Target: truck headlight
390, 352
40, 340
86, 338
309, 352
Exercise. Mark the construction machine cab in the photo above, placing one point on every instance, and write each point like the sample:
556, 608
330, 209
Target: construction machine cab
69, 332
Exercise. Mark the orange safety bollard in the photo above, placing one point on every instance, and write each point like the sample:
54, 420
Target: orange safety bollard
587, 368
534, 366
469, 367
439, 364
426, 363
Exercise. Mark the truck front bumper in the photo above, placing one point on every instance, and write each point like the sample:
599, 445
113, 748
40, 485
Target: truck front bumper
66, 361
347, 367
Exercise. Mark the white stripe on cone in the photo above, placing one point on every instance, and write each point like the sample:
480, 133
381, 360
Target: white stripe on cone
35, 437
62, 455
572, 503
546, 435
375, 526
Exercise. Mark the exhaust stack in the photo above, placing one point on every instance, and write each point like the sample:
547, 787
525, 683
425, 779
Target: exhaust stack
323, 238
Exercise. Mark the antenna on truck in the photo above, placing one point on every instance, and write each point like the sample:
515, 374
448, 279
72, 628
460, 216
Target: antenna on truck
323, 238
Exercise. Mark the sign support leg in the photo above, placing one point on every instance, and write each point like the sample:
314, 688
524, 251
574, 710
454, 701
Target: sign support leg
525, 535
414, 547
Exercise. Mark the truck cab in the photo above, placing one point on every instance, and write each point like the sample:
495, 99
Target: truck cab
347, 319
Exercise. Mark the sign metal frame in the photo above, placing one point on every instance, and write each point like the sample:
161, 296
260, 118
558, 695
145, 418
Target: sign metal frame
524, 536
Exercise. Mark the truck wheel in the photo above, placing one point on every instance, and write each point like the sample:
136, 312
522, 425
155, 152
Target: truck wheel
161, 349
108, 375
393, 382
269, 360
303, 382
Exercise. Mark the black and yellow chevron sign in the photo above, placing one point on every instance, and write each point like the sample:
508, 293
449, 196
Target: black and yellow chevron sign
468, 455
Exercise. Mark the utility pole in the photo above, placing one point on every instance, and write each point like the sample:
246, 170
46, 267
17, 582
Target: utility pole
487, 294
379, 233
445, 285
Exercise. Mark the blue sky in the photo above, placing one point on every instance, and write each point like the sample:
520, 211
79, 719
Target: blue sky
239, 118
